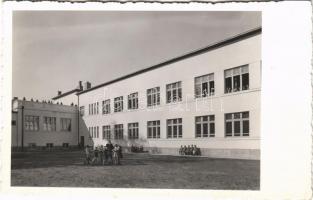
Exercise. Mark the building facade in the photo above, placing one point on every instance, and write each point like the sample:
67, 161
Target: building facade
209, 98
44, 125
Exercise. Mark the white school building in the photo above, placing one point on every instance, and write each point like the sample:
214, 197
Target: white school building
209, 98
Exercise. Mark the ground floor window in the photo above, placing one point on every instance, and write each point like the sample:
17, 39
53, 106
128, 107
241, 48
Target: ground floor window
118, 131
237, 124
65, 145
174, 128
32, 145
205, 126
31, 123
49, 124
106, 132
65, 124
49, 145
153, 129
133, 131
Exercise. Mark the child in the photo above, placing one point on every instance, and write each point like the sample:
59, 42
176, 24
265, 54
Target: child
116, 155
87, 153
96, 156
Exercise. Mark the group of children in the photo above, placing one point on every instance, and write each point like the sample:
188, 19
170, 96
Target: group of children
189, 150
108, 154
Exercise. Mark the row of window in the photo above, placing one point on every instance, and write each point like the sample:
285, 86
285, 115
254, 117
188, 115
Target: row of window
236, 124
31, 123
236, 79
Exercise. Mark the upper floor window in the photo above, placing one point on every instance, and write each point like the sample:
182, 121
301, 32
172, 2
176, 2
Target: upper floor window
237, 79
205, 126
133, 101
204, 85
106, 132
106, 109
174, 128
118, 131
65, 124
153, 96
118, 104
133, 131
173, 92
237, 124
49, 123
31, 123
153, 129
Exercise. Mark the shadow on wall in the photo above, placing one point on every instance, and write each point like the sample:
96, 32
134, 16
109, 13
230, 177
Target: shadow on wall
84, 135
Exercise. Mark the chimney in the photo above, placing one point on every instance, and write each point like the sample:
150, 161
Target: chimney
80, 85
59, 93
87, 85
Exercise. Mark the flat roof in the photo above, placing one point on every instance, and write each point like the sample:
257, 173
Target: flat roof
211, 47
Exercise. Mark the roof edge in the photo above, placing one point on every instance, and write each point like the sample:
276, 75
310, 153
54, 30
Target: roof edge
65, 94
211, 47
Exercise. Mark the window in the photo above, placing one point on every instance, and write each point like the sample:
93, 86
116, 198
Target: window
49, 145
205, 126
65, 124
118, 104
173, 92
133, 101
174, 128
97, 108
82, 110
97, 131
49, 124
106, 107
204, 86
89, 110
106, 132
153, 129
133, 131
153, 96
65, 145
237, 124
237, 79
118, 131
31, 123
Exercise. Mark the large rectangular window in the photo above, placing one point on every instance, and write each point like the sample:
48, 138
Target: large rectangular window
118, 104
174, 128
65, 124
133, 101
49, 124
153, 96
237, 79
237, 124
153, 129
106, 109
204, 86
173, 92
118, 131
31, 123
133, 131
205, 126
106, 132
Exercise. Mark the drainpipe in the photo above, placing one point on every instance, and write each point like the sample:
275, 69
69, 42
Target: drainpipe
78, 111
22, 128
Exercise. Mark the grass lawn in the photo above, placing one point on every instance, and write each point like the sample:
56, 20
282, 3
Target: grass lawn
66, 169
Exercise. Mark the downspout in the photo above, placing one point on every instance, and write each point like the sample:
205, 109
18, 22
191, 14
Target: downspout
22, 128
78, 114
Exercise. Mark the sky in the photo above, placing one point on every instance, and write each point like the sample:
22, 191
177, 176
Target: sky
54, 50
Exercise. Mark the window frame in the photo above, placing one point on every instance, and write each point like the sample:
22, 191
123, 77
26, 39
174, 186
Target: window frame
174, 88
106, 106
132, 101
154, 95
118, 104
175, 125
154, 129
210, 120
238, 73
199, 81
234, 119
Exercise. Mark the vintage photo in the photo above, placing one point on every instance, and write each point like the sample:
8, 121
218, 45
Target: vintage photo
137, 99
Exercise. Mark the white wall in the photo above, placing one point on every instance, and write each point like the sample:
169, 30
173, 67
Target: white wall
247, 51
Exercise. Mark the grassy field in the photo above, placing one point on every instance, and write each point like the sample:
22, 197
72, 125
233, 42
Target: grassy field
60, 169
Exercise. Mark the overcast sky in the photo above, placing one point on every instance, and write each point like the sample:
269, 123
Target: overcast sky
54, 50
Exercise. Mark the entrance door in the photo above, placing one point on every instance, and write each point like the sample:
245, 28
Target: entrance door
82, 141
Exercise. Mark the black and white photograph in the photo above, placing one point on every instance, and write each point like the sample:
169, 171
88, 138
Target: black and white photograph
137, 99
189, 102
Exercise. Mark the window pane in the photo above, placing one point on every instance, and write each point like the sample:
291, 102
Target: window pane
211, 91
245, 81
229, 129
180, 131
205, 130
228, 85
228, 116
245, 115
205, 89
212, 129
198, 130
175, 131
245, 127
236, 83
237, 128
169, 131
